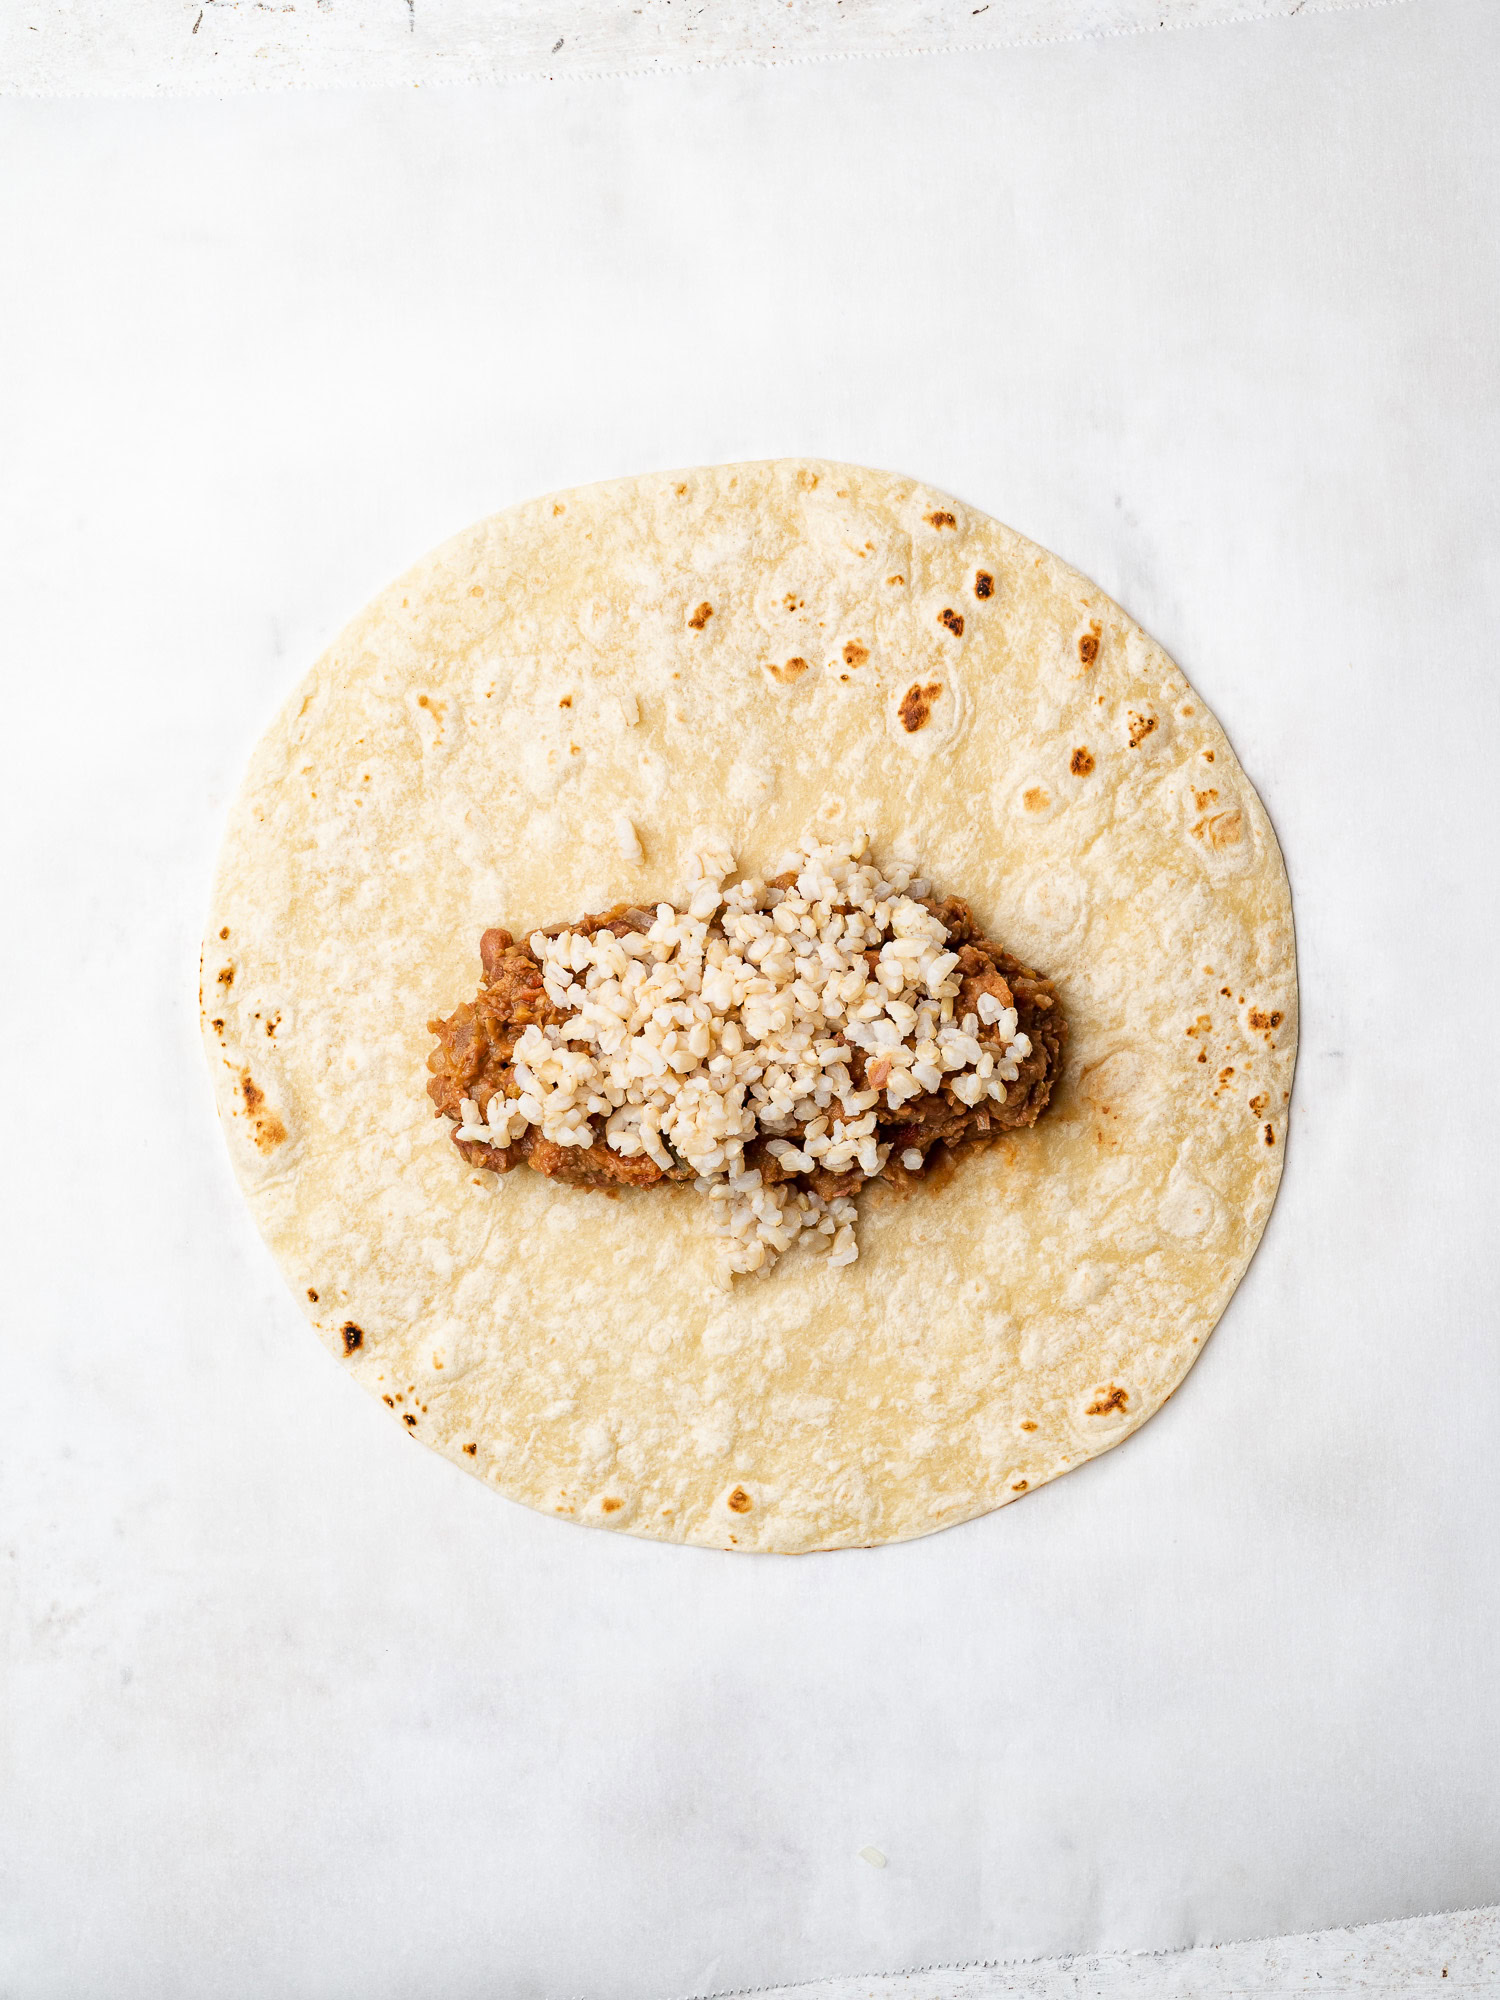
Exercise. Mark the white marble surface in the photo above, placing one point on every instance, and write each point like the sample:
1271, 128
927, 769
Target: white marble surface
1455, 1956
167, 46
290, 1707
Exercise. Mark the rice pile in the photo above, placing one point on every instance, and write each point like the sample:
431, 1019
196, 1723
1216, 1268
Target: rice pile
732, 1021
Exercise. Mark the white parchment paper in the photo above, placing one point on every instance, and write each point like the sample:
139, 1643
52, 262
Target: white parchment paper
287, 1706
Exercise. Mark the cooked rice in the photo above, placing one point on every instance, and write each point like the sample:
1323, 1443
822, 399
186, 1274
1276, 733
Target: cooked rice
717, 1026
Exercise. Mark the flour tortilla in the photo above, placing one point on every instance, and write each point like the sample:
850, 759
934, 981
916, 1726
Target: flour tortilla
459, 757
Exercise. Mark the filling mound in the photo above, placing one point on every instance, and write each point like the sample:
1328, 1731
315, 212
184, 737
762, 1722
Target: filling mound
778, 1043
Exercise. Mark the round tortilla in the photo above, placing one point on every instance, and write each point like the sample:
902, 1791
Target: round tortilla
763, 650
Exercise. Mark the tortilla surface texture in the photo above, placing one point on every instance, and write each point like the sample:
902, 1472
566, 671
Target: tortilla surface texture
763, 650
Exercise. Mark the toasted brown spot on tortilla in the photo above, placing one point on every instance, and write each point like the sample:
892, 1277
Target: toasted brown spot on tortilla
226, 975
701, 616
916, 705
895, 579
1020, 1486
1202, 1026
269, 1130
1112, 1398
423, 702
1203, 799
1141, 726
855, 654
1270, 1137
793, 602
1082, 761
408, 1418
217, 1026
225, 932
1208, 756
389, 1401
739, 1501
566, 702
1259, 1102
471, 1449
1028, 1425
941, 518
953, 620
984, 583
476, 590
312, 1295
792, 670
354, 1336
1035, 799
680, 490
611, 1506
557, 505
1088, 643
1266, 1022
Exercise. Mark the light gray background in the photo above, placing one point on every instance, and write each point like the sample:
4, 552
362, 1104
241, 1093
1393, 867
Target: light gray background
289, 1706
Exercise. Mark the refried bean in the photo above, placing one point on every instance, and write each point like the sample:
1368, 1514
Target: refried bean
473, 1059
